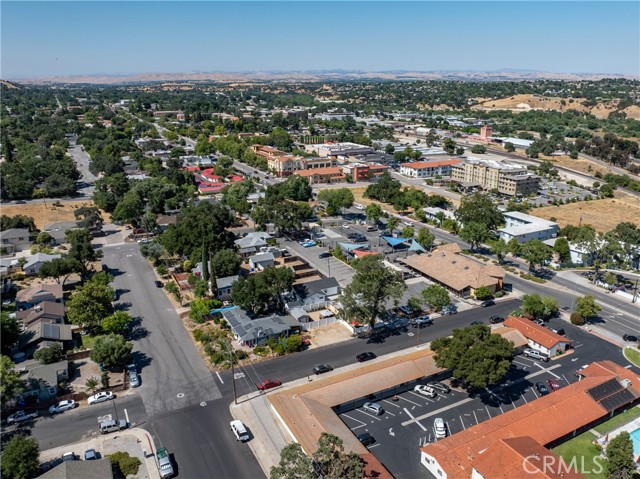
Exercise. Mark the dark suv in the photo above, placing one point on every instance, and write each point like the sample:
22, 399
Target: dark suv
368, 356
322, 368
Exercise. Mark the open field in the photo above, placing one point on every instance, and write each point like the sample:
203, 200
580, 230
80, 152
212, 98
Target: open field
46, 214
583, 166
603, 215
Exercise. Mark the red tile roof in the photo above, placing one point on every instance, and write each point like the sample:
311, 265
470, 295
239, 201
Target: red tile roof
334, 171
535, 332
362, 253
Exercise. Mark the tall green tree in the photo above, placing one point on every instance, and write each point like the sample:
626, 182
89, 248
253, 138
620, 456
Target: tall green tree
89, 305
112, 351
334, 462
88, 217
587, 307
499, 248
372, 287
536, 253
514, 246
336, 199
436, 296
392, 224
294, 464
479, 208
11, 383
116, 323
541, 307
225, 263
373, 212
474, 354
20, 458
620, 460
474, 234
81, 251
408, 232
425, 239
10, 332
50, 355
561, 248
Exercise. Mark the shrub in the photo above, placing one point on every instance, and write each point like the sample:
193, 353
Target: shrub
123, 464
52, 354
499, 294
483, 293
241, 354
576, 319
260, 351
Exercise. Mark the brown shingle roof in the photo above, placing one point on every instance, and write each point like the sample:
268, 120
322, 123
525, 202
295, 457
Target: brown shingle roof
447, 266
48, 309
26, 295
535, 332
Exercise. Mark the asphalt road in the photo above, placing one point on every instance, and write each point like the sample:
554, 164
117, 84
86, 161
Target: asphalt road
82, 159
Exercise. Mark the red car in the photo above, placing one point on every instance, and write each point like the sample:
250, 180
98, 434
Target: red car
268, 384
554, 385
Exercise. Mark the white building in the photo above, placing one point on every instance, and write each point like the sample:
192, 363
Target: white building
525, 227
339, 149
432, 213
428, 169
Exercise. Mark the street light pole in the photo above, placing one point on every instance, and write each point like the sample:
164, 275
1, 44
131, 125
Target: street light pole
233, 374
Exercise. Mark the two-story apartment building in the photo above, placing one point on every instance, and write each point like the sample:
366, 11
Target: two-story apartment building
428, 169
525, 227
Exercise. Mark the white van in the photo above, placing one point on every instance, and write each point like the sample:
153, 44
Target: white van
239, 430
112, 426
440, 428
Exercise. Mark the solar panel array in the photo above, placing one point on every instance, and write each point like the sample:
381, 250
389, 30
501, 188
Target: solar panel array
51, 331
617, 400
605, 389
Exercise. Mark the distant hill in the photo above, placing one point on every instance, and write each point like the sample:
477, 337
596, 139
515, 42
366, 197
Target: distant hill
312, 76
9, 85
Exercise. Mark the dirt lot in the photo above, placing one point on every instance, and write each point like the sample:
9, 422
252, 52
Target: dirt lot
46, 214
603, 215
584, 166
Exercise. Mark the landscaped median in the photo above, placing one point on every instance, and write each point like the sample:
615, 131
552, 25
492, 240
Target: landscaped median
632, 353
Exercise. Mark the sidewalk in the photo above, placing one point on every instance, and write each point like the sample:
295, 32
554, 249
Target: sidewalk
582, 281
137, 442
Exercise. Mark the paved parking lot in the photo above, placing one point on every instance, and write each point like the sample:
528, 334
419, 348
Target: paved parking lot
407, 422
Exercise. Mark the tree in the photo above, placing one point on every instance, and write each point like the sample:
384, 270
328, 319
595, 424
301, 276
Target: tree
372, 287
514, 247
88, 217
148, 222
478, 149
425, 239
499, 248
408, 232
92, 383
334, 462
482, 293
474, 234
260, 291
374, 212
561, 248
116, 323
10, 382
436, 296
279, 281
81, 250
336, 199
50, 355
124, 465
587, 307
541, 307
389, 149
129, 208
89, 305
536, 253
479, 208
10, 332
225, 263
415, 304
440, 216
59, 267
509, 146
392, 224
18, 221
20, 458
620, 459
474, 354
44, 238
112, 351
459, 151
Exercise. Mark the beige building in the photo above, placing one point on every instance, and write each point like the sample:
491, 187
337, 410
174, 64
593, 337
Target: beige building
507, 178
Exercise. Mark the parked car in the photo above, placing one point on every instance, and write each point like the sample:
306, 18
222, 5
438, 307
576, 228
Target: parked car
558, 331
542, 389
158, 284
269, 384
440, 387
322, 368
425, 391
489, 302
448, 310
496, 319
21, 416
164, 463
100, 397
239, 430
68, 456
90, 455
324, 255
533, 354
477, 321
539, 322
134, 379
309, 244
373, 407
553, 384
346, 226
422, 321
362, 357
440, 428
62, 406
406, 309
366, 439
629, 337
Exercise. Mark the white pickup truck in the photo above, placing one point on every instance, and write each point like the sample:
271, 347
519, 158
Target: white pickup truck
22, 416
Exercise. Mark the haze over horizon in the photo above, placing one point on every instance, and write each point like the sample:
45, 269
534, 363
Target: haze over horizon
45, 39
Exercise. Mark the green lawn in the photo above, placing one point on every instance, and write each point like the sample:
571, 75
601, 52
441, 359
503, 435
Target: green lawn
87, 341
581, 447
618, 420
633, 355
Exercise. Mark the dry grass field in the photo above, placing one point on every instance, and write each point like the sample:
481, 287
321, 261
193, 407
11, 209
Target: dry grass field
583, 166
603, 215
46, 214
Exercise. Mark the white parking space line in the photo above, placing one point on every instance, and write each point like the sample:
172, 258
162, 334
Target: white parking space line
422, 397
367, 414
417, 422
524, 396
389, 402
564, 377
415, 403
474, 415
578, 346
488, 413
462, 422
218, 374
549, 370
389, 413
371, 447
535, 393
522, 364
356, 420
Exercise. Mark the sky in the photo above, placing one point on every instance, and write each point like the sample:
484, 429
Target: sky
51, 38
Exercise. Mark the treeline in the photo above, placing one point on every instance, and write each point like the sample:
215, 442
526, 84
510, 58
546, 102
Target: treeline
389, 190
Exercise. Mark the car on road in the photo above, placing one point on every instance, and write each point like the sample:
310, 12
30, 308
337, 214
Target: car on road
489, 302
269, 384
542, 389
90, 455
553, 384
346, 226
440, 387
629, 337
100, 397
239, 430
422, 321
322, 368
158, 284
324, 255
477, 321
533, 354
539, 322
366, 439
496, 319
440, 428
448, 310
407, 223
134, 379
308, 244
62, 406
359, 207
164, 463
68, 456
368, 356
21, 416
373, 407
425, 391
558, 331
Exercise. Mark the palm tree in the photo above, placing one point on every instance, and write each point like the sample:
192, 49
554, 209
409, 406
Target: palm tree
92, 384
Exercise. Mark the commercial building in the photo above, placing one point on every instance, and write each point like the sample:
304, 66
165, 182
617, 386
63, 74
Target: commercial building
539, 338
339, 149
364, 171
506, 178
525, 227
322, 175
428, 169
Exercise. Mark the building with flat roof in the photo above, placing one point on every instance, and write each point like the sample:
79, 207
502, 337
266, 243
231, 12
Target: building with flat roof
428, 169
322, 175
506, 178
524, 227
339, 149
364, 171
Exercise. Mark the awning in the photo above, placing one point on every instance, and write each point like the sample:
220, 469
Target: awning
394, 241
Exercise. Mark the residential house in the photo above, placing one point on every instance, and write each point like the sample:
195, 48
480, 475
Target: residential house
14, 240
539, 338
525, 227
97, 469
252, 242
164, 221
35, 262
432, 213
26, 298
499, 447
313, 295
428, 169
260, 261
58, 230
44, 312
224, 286
447, 266
253, 332
42, 380
42, 335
